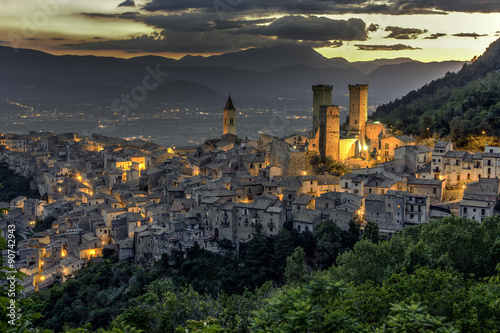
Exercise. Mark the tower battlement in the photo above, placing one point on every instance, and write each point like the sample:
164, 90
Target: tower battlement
322, 87
322, 95
359, 87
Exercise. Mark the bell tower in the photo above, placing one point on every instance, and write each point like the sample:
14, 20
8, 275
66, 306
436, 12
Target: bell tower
229, 121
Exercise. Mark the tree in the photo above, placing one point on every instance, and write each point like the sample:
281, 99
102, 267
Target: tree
352, 235
414, 318
328, 237
257, 259
296, 268
371, 232
284, 245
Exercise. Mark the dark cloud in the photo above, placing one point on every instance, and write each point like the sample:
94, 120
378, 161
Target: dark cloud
373, 27
435, 36
403, 33
125, 15
191, 42
469, 35
312, 28
391, 7
395, 47
58, 38
127, 3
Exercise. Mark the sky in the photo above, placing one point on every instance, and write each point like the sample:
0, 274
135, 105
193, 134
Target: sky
359, 30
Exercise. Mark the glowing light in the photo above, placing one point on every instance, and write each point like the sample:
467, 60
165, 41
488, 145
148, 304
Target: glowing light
79, 178
365, 147
304, 173
92, 251
440, 177
42, 278
141, 166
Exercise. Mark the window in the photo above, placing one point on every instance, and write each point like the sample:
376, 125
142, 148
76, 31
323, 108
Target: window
326, 205
411, 189
468, 176
231, 121
386, 146
483, 211
458, 178
489, 171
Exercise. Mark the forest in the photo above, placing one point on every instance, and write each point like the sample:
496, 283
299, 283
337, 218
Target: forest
443, 276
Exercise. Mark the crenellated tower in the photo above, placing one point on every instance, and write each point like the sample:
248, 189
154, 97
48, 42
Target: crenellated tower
329, 131
229, 121
322, 95
358, 108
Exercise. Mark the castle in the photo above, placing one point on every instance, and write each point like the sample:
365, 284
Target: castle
361, 140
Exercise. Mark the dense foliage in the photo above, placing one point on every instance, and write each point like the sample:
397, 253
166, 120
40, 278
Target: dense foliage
14, 185
436, 277
459, 104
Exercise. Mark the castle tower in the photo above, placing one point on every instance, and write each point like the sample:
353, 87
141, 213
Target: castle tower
358, 114
322, 95
229, 125
329, 131
358, 108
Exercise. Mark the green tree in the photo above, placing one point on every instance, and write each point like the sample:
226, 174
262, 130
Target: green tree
371, 232
284, 245
296, 267
414, 318
328, 237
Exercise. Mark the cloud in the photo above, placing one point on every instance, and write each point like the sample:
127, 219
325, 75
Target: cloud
312, 28
125, 15
403, 33
190, 42
395, 47
469, 35
127, 3
391, 7
373, 27
435, 36
58, 38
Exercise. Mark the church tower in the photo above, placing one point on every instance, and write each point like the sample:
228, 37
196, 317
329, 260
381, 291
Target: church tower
322, 95
329, 131
229, 118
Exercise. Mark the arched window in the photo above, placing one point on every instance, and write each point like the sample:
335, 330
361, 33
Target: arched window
231, 121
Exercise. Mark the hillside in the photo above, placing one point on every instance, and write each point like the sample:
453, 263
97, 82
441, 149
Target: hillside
434, 277
458, 104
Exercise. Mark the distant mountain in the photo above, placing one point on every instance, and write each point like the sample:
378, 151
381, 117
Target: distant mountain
264, 59
279, 76
367, 67
463, 103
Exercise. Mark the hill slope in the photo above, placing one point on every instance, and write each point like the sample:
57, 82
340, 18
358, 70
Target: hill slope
458, 104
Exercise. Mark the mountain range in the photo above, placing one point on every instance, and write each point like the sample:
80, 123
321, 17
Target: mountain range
267, 77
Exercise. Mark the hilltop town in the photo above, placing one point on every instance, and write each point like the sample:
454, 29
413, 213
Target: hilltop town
141, 200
